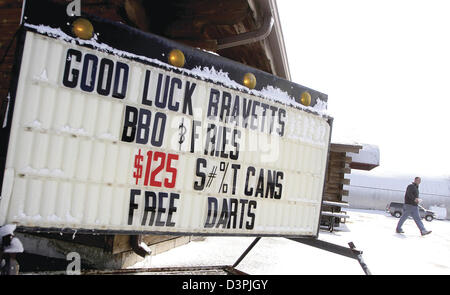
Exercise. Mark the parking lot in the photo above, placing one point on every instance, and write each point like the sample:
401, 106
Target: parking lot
373, 232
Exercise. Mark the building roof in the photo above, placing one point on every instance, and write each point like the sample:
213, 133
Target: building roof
366, 159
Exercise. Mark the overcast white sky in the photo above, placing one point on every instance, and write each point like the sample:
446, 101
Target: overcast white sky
385, 66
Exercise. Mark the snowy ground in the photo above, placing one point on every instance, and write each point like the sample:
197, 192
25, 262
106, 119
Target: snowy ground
373, 232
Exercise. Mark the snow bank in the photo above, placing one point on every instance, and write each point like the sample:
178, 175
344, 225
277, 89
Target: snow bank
441, 212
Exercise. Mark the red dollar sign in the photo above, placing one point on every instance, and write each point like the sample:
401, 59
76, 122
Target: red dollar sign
137, 164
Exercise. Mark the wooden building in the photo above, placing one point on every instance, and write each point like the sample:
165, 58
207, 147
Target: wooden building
342, 159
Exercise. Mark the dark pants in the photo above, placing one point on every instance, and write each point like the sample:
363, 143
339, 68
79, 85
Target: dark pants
410, 210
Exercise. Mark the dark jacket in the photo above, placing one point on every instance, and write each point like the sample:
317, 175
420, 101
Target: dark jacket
412, 192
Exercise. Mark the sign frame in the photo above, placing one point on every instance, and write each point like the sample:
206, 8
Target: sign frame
36, 15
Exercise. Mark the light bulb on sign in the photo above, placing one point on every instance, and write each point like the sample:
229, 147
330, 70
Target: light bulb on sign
249, 80
83, 29
305, 98
176, 58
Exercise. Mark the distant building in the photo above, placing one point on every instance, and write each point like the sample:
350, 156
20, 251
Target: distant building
368, 191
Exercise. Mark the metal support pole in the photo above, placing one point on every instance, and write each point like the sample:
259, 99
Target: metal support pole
340, 250
246, 251
360, 259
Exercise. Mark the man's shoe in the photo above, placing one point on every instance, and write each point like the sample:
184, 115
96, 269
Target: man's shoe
399, 231
425, 232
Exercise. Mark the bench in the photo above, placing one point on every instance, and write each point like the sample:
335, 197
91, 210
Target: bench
337, 215
337, 204
342, 216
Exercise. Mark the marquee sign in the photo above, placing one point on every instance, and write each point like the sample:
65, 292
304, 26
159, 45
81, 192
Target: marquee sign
104, 142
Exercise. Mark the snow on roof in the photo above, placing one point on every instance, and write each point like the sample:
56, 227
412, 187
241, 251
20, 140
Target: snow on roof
369, 154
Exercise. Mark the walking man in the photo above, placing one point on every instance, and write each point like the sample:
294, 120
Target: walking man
410, 208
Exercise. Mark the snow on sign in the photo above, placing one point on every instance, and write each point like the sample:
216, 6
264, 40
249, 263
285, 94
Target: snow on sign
103, 142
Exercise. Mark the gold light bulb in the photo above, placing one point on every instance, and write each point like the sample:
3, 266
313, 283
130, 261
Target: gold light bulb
249, 80
305, 99
83, 29
176, 58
